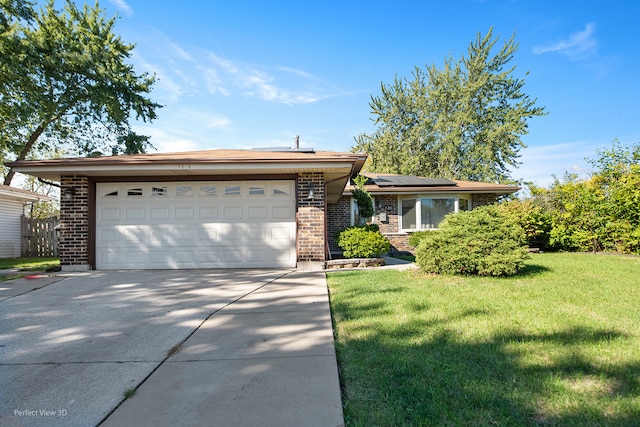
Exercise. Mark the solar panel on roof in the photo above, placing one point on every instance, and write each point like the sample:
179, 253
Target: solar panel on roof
285, 149
411, 181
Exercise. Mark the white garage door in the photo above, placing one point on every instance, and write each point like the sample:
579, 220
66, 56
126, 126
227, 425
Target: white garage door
222, 224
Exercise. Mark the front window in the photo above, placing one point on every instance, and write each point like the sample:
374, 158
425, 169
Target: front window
426, 213
433, 211
409, 214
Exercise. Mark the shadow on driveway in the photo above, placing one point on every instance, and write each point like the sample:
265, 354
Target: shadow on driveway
70, 350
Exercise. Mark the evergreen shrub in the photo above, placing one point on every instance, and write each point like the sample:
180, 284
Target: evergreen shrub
480, 242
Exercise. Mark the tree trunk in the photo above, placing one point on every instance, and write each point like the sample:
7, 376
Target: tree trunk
25, 151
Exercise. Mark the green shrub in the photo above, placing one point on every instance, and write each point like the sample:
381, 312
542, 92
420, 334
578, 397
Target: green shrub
362, 242
535, 222
480, 242
416, 238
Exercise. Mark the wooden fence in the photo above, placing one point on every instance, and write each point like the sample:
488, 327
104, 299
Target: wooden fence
39, 237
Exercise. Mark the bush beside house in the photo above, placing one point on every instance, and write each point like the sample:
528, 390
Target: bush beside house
480, 242
362, 242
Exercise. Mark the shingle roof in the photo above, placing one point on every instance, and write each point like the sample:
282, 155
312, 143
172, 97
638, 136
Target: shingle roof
337, 167
407, 184
202, 156
19, 193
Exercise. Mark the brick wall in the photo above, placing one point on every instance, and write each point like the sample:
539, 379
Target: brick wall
338, 218
478, 200
388, 206
311, 217
74, 224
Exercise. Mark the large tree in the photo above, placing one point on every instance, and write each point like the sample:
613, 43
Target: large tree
464, 121
65, 81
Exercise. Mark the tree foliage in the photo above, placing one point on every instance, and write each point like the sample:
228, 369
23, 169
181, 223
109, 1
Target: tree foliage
66, 81
464, 121
600, 213
536, 222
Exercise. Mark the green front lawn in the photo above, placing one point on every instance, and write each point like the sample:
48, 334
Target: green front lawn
26, 265
557, 345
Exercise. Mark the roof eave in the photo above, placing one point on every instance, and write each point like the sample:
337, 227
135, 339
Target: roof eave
430, 190
25, 197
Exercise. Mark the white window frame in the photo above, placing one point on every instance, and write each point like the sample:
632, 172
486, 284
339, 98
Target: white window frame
457, 198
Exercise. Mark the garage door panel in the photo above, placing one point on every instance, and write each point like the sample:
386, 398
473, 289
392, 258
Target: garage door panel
172, 235
134, 213
258, 254
281, 233
159, 214
108, 258
183, 213
109, 214
257, 212
195, 225
231, 213
109, 235
285, 212
208, 213
232, 256
206, 256
209, 232
283, 256
236, 235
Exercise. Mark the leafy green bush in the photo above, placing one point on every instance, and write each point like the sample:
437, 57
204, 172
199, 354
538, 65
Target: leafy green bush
479, 242
535, 221
416, 237
600, 213
362, 242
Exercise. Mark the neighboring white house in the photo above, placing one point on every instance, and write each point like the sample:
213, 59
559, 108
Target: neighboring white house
13, 202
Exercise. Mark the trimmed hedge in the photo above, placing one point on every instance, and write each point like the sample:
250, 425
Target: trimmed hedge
480, 242
362, 242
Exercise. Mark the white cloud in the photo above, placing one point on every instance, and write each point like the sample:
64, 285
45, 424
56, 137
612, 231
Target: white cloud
165, 142
122, 6
261, 85
224, 73
192, 72
213, 82
579, 45
295, 71
541, 163
207, 120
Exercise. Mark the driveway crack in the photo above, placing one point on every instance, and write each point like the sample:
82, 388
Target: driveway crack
171, 351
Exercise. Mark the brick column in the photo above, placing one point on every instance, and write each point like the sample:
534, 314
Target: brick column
74, 224
310, 218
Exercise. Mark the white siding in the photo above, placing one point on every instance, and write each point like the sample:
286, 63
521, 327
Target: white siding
10, 212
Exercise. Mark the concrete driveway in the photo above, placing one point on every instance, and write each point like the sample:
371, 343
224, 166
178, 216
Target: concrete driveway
198, 347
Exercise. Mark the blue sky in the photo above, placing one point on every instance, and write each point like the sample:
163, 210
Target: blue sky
247, 74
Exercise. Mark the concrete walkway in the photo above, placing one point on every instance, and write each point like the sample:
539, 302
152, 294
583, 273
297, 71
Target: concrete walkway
268, 359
